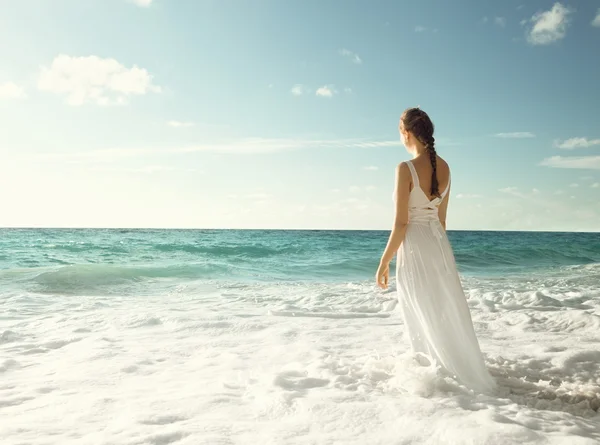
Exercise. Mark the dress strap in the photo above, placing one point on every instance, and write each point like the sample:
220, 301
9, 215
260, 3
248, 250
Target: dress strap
447, 187
413, 173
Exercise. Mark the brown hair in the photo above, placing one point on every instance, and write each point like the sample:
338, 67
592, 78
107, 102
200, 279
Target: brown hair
418, 123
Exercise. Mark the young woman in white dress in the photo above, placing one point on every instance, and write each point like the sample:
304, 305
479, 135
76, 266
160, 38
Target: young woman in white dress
434, 307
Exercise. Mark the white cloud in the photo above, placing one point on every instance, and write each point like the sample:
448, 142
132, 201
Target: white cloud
500, 21
371, 168
370, 188
595, 185
299, 90
580, 162
574, 185
559, 192
510, 190
355, 58
354, 189
573, 143
535, 191
142, 3
326, 91
335, 190
467, 196
549, 26
180, 124
515, 135
596, 21
348, 90
94, 80
10, 90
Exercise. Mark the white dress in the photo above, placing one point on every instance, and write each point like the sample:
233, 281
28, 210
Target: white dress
431, 297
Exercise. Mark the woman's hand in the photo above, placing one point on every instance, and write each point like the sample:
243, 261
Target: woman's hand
383, 275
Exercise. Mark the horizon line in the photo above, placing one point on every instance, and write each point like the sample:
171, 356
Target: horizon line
255, 229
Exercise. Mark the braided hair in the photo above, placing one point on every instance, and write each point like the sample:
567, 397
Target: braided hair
419, 124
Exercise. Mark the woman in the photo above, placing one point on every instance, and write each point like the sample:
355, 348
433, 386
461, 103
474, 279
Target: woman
433, 303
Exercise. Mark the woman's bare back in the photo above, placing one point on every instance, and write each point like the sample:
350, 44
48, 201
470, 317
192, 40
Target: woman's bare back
424, 170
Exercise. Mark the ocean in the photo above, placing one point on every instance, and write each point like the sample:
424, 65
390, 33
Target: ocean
120, 336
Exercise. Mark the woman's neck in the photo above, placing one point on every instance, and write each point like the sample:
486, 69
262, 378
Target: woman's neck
418, 151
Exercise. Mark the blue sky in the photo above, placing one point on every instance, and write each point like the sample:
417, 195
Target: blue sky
273, 114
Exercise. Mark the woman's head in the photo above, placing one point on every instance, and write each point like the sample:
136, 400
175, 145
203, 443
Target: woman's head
416, 128
416, 131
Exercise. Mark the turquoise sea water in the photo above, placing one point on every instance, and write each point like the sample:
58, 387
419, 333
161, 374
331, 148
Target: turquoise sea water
116, 255
80, 260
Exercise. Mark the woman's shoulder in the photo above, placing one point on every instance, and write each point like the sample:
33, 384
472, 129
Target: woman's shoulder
442, 165
441, 162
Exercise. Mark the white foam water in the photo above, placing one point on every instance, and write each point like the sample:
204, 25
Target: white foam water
294, 363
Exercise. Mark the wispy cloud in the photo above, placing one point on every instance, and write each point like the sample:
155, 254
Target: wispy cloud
500, 21
376, 144
180, 124
549, 26
239, 146
326, 91
509, 190
299, 90
515, 191
146, 169
596, 21
467, 196
573, 143
352, 56
420, 28
371, 168
142, 3
348, 90
10, 90
574, 185
94, 80
595, 185
515, 135
577, 162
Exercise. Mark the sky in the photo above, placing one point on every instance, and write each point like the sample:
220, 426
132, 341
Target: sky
284, 114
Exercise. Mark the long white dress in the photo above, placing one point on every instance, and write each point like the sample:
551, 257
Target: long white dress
433, 304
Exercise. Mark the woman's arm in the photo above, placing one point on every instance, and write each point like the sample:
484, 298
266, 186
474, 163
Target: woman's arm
443, 210
400, 214
402, 192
